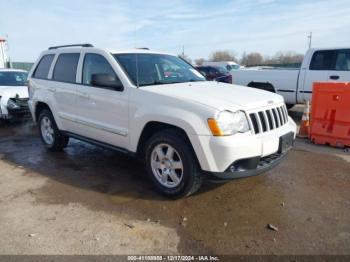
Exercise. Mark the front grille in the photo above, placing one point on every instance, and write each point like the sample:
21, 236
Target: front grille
270, 119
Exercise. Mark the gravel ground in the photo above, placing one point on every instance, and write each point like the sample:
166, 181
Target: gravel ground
89, 200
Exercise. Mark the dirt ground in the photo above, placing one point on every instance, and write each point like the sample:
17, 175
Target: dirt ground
90, 200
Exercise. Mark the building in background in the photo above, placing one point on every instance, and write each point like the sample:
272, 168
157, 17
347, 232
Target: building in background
4, 59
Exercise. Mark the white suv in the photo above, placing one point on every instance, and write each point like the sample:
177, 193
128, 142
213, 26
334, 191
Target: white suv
158, 107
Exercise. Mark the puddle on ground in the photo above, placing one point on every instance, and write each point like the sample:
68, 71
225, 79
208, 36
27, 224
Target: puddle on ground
124, 196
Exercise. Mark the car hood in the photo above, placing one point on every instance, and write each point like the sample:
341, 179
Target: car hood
13, 91
218, 95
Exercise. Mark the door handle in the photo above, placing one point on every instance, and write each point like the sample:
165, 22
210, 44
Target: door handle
52, 89
334, 77
84, 95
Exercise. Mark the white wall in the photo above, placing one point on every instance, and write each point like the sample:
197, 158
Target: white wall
3, 55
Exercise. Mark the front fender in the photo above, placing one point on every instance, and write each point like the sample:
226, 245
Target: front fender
145, 107
190, 122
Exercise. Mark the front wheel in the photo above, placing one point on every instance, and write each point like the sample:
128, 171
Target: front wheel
171, 164
51, 136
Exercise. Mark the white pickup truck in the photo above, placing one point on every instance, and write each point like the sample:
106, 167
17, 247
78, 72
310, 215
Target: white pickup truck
295, 85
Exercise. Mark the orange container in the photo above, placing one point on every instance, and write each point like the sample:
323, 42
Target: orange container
330, 114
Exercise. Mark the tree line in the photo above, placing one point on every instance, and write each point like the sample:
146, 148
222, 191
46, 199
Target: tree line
252, 59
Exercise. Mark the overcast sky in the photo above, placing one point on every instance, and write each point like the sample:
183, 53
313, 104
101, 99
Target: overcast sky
202, 26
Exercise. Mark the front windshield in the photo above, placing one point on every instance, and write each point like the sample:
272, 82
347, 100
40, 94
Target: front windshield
12, 78
156, 69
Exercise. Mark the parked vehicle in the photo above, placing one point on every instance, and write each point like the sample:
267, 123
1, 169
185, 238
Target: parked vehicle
229, 65
214, 73
182, 126
13, 94
295, 85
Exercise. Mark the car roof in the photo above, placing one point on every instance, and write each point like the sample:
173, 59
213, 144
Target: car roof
12, 70
328, 48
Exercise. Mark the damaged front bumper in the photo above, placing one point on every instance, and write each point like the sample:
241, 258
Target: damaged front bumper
17, 108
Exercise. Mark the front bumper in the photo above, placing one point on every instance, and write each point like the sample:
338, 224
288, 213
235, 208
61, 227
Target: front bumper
249, 167
217, 154
21, 112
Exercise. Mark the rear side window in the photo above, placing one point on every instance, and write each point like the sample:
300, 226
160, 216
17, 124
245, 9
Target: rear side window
43, 68
342, 62
66, 68
323, 60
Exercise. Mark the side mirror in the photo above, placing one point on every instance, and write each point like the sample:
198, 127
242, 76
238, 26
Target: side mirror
106, 81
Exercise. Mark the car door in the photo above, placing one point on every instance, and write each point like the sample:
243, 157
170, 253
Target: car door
102, 111
341, 71
63, 87
320, 67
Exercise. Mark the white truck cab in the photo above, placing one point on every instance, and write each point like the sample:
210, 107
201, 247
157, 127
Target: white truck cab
295, 85
158, 107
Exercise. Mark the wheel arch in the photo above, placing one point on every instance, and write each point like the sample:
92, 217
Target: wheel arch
152, 127
267, 86
40, 106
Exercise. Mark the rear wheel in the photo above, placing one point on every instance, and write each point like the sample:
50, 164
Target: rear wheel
171, 164
51, 136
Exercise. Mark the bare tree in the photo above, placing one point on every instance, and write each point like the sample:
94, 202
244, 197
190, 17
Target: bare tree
288, 57
224, 55
252, 59
199, 61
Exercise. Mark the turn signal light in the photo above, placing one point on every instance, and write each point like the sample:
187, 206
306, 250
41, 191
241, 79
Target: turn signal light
214, 127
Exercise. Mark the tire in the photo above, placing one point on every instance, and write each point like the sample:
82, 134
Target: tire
51, 136
161, 170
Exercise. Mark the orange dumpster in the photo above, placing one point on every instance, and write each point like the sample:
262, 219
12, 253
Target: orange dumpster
330, 114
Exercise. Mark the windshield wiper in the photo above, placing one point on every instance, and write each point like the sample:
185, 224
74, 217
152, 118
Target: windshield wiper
160, 83
195, 80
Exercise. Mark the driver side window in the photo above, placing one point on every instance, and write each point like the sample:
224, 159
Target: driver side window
96, 64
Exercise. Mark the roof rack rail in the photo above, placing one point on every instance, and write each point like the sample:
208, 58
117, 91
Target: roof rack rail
62, 46
143, 48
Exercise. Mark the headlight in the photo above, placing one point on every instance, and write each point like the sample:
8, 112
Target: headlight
228, 123
11, 104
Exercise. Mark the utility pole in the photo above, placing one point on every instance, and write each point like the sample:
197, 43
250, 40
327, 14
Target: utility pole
2, 49
310, 39
183, 50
